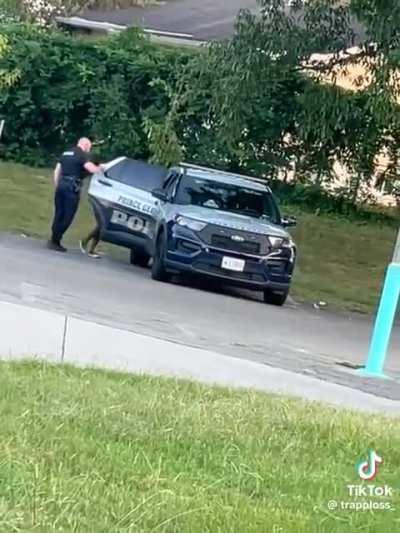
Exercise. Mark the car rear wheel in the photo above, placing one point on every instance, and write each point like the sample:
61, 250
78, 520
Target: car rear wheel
275, 298
158, 271
139, 258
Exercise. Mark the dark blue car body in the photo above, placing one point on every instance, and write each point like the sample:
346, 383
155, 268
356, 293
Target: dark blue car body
194, 235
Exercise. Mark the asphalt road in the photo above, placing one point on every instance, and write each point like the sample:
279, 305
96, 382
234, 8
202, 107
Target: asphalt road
230, 322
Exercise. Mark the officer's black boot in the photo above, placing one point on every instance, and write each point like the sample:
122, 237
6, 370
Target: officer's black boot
56, 247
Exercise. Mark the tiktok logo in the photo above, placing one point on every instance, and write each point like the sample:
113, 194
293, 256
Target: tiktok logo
367, 470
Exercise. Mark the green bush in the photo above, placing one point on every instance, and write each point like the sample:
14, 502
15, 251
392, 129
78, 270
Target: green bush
315, 200
69, 87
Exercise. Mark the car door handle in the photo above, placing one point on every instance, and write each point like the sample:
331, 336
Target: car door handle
105, 183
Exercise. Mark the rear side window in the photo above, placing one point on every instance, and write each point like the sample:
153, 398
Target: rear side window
170, 183
138, 174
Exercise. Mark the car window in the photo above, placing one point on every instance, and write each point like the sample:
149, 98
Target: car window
170, 183
168, 180
252, 202
138, 174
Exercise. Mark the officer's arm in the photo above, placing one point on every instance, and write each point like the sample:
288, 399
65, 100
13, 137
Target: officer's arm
92, 168
57, 174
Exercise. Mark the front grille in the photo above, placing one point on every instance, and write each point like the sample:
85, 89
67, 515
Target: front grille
225, 242
221, 237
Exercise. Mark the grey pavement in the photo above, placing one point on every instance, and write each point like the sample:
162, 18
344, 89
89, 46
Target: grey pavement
87, 344
229, 322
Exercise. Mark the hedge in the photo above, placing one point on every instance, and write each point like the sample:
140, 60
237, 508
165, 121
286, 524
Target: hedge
70, 87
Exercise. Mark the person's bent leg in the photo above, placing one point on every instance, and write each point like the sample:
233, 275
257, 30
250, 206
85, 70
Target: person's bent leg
92, 235
94, 240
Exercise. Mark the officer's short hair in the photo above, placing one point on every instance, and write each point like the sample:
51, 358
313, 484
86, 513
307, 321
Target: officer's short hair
85, 144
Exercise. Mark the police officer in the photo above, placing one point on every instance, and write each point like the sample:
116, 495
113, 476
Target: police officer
70, 171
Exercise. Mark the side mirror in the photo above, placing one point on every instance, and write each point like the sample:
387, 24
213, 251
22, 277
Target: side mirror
160, 194
288, 222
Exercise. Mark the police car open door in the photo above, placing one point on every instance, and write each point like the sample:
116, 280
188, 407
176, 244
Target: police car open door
122, 197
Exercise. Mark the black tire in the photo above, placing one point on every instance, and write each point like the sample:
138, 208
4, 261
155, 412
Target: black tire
158, 271
275, 298
139, 258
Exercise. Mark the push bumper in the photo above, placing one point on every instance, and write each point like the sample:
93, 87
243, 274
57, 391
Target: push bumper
188, 254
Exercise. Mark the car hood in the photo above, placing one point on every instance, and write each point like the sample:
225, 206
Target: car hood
232, 220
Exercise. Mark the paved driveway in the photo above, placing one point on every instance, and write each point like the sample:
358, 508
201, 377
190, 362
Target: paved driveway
229, 322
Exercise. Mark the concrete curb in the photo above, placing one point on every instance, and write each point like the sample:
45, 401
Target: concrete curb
27, 333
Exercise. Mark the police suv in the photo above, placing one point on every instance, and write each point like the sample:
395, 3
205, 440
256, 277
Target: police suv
195, 220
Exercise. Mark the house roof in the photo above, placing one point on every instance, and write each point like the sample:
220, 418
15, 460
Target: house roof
203, 20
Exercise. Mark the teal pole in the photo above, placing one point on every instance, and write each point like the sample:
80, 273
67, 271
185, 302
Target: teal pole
384, 322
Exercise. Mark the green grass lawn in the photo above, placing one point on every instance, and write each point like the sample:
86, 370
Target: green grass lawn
90, 451
340, 262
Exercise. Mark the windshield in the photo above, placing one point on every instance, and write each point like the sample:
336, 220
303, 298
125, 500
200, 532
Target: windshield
227, 197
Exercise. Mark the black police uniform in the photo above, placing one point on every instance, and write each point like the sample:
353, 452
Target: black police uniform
68, 190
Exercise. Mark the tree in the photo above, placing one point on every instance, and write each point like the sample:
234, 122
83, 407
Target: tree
8, 77
269, 98
68, 87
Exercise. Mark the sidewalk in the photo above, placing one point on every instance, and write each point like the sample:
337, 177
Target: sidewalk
28, 332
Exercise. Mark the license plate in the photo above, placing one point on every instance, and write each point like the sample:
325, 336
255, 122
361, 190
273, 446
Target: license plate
230, 263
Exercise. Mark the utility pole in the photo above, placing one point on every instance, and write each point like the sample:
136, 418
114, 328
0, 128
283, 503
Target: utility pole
385, 317
396, 254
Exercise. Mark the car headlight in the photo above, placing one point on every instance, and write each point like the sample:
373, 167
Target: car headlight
190, 223
281, 242
276, 242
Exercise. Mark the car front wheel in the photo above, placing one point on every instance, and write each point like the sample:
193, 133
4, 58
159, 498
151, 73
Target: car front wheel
275, 298
158, 271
